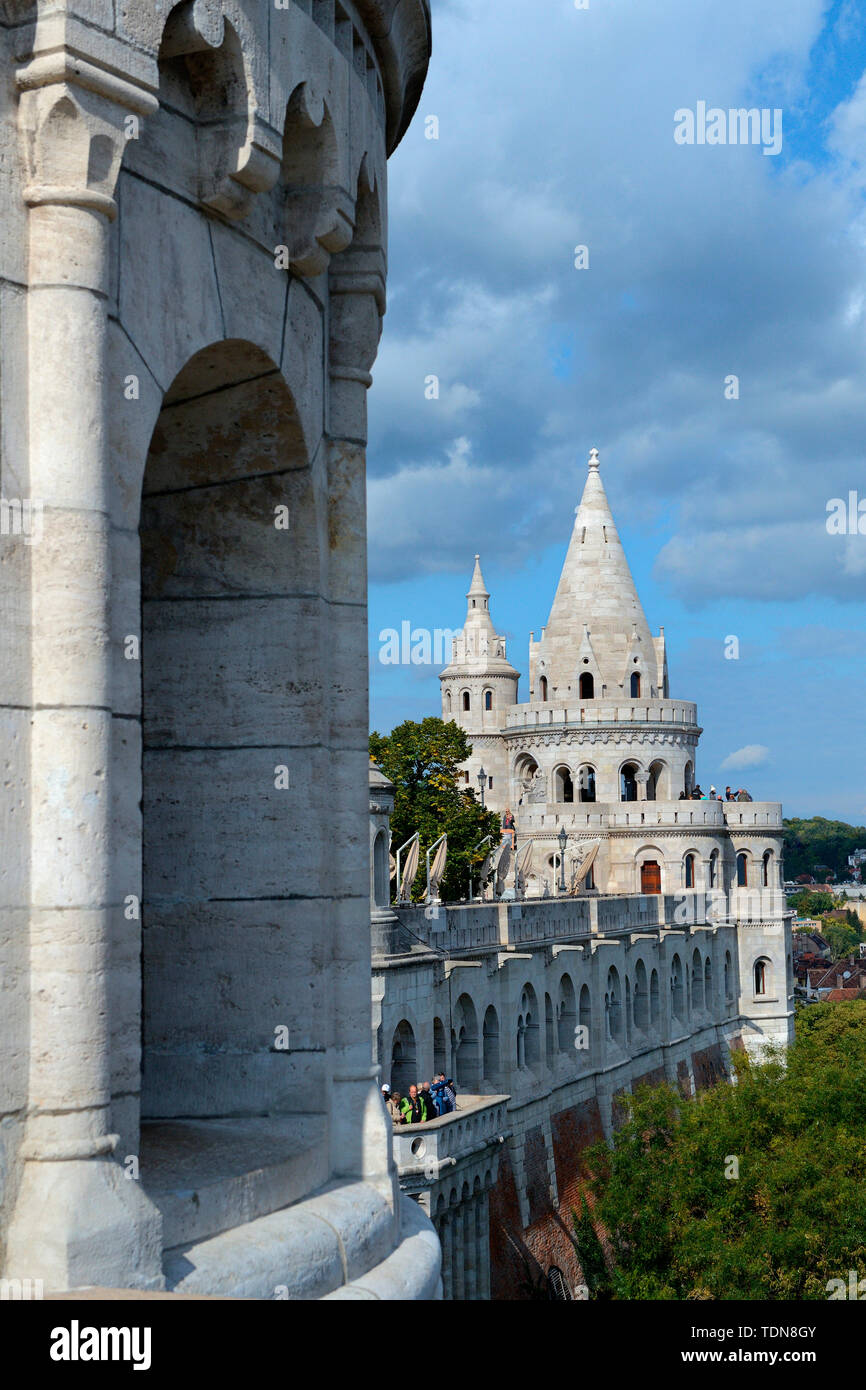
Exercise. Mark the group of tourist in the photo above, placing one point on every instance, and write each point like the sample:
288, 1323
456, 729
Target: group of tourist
426, 1101
696, 794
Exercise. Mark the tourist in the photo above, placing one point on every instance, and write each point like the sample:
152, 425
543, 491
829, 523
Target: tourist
429, 1101
713, 796
393, 1103
743, 795
729, 795
447, 1093
508, 819
697, 794
412, 1106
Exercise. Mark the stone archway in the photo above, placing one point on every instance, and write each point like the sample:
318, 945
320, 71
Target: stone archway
229, 561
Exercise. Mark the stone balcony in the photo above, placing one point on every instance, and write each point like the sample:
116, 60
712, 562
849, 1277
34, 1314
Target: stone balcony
591, 816
424, 1153
605, 713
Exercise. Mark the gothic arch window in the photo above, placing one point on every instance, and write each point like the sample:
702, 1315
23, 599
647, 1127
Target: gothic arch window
697, 981
542, 686
689, 871
447, 701
490, 1034
381, 877
766, 868
742, 870
466, 700
531, 1030
761, 974
563, 786
584, 1019
708, 983
404, 1065
729, 977
677, 991
613, 1006
635, 685
655, 1001
655, 786
586, 782
641, 997
567, 1019
628, 782
466, 1058
488, 699
549, 1030
587, 686
714, 869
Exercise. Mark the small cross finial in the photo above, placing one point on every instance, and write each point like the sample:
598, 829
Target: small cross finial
594, 460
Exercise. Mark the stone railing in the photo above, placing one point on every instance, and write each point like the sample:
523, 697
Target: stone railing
427, 1149
603, 712
752, 814
609, 815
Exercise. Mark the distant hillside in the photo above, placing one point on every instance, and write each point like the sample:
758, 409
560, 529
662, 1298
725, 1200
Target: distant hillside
820, 847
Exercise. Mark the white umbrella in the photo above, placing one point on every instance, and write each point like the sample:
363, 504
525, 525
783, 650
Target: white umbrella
586, 864
410, 868
437, 869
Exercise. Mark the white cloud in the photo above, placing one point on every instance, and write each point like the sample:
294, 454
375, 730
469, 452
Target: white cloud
753, 755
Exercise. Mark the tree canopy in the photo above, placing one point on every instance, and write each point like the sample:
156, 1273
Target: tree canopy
747, 1191
821, 847
423, 761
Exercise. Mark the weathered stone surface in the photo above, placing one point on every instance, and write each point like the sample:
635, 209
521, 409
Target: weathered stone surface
184, 930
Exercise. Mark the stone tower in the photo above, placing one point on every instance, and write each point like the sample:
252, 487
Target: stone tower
478, 686
192, 284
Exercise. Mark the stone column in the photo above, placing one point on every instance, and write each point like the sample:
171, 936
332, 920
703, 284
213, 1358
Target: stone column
482, 1215
78, 1218
470, 1250
356, 304
642, 779
446, 1234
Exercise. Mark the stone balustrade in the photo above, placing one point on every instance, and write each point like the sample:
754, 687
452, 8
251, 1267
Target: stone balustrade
428, 1150
539, 715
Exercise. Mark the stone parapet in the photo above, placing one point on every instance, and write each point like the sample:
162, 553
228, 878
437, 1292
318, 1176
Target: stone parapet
540, 715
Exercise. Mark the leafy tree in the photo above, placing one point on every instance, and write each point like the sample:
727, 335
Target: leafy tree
841, 937
682, 1226
810, 904
423, 761
820, 847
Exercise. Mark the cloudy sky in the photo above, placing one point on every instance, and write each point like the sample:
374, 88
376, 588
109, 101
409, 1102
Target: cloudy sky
556, 129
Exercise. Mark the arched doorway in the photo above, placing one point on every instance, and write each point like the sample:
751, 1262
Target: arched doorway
404, 1058
231, 686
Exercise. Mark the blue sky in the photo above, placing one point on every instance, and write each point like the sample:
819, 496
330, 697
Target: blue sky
556, 129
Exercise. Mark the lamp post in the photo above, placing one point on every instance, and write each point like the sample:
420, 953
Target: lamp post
482, 779
562, 837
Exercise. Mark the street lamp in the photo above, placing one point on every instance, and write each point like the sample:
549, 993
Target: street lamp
562, 837
482, 779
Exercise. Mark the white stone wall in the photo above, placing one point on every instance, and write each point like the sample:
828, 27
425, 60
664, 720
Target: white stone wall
192, 282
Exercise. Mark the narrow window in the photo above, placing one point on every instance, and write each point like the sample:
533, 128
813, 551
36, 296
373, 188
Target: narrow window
742, 871
488, 699
760, 977
635, 685
587, 686
543, 688
466, 699
690, 871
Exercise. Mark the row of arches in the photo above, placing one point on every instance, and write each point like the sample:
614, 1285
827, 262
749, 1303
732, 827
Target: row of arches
568, 784
486, 1053
464, 701
586, 686
697, 872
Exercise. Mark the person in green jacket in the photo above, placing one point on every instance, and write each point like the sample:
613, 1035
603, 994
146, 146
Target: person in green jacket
413, 1107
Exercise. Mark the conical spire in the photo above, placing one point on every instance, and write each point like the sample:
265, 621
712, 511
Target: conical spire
596, 594
478, 645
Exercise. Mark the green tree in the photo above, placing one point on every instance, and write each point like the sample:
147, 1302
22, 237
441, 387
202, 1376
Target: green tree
752, 1191
807, 903
422, 760
820, 847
